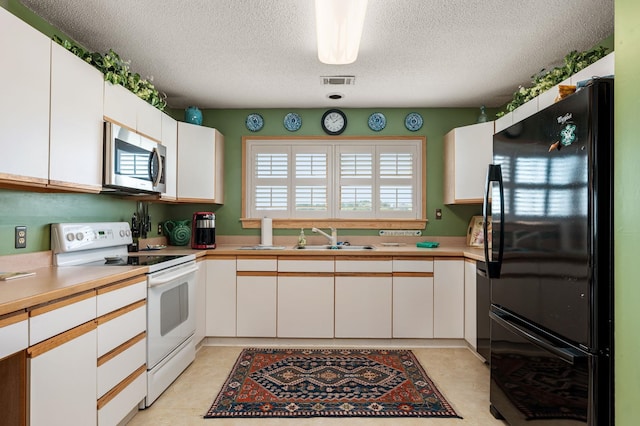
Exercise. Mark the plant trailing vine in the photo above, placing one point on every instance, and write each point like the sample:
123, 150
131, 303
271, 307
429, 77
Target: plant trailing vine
117, 71
544, 80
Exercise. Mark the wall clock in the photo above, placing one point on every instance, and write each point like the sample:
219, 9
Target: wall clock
333, 122
377, 121
254, 122
413, 121
292, 122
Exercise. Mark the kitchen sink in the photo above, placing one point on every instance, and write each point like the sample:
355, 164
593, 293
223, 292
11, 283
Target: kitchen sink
328, 247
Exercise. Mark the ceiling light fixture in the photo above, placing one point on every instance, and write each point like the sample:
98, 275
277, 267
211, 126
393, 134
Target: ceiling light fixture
339, 29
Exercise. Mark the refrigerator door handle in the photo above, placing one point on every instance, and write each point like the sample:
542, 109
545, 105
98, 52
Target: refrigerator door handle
568, 354
494, 174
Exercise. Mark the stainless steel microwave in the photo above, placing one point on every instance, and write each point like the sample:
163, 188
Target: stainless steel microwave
132, 162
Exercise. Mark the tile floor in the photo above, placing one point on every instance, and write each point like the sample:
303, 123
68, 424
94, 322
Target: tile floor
461, 377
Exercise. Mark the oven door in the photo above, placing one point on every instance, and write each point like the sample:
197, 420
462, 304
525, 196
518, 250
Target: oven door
170, 310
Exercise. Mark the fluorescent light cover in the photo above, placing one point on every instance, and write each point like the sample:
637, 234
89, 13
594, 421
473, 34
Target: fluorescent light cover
339, 28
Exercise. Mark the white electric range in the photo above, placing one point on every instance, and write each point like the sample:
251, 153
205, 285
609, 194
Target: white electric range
171, 284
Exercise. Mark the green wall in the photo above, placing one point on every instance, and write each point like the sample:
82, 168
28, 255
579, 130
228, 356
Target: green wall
437, 122
626, 208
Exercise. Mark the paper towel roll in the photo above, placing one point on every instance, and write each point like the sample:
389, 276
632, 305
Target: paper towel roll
266, 232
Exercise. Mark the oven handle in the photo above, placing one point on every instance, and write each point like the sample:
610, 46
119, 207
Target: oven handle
165, 278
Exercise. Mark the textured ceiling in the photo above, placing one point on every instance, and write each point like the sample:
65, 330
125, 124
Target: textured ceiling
262, 53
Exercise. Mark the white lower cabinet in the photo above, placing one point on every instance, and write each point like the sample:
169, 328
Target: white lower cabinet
256, 292
470, 308
121, 349
448, 298
305, 306
201, 302
256, 304
305, 299
220, 316
413, 298
62, 379
363, 289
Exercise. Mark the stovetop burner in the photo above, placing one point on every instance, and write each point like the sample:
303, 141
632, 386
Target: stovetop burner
133, 260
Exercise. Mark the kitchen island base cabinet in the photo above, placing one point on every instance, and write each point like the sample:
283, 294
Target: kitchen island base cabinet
62, 372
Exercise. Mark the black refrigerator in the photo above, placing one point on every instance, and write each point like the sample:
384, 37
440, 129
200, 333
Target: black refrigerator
550, 195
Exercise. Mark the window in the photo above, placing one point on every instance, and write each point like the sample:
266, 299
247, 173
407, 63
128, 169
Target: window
350, 179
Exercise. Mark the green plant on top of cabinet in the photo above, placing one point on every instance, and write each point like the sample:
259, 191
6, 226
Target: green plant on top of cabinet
24, 112
468, 151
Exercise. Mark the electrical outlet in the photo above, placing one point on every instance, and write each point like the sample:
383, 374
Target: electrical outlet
159, 229
21, 236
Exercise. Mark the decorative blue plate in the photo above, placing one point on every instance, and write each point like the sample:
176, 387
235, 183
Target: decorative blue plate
254, 122
292, 122
413, 121
377, 121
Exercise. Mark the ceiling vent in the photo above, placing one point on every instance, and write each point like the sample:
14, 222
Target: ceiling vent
338, 80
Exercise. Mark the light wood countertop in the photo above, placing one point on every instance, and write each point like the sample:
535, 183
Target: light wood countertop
52, 282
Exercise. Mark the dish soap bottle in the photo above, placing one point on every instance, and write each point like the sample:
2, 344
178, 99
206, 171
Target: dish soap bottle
302, 240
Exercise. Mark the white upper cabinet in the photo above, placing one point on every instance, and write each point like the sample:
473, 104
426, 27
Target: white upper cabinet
24, 111
76, 132
200, 164
148, 120
123, 107
170, 141
467, 152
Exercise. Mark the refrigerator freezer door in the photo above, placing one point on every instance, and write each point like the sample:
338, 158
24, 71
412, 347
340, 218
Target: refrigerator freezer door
541, 381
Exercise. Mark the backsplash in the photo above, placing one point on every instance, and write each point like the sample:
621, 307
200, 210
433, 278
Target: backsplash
38, 210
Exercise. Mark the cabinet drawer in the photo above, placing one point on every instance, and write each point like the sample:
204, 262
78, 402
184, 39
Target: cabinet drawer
116, 296
413, 265
369, 265
305, 265
57, 317
116, 407
116, 328
116, 369
14, 334
257, 264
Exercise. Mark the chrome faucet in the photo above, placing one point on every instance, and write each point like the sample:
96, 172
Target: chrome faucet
333, 238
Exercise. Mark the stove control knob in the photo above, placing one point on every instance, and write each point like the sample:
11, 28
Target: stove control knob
79, 236
70, 236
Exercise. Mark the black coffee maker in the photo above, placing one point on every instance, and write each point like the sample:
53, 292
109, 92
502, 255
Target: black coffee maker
203, 230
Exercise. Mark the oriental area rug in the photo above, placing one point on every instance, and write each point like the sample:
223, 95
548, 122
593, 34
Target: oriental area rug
328, 383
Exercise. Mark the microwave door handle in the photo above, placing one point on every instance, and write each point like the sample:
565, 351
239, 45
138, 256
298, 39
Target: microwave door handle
155, 179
